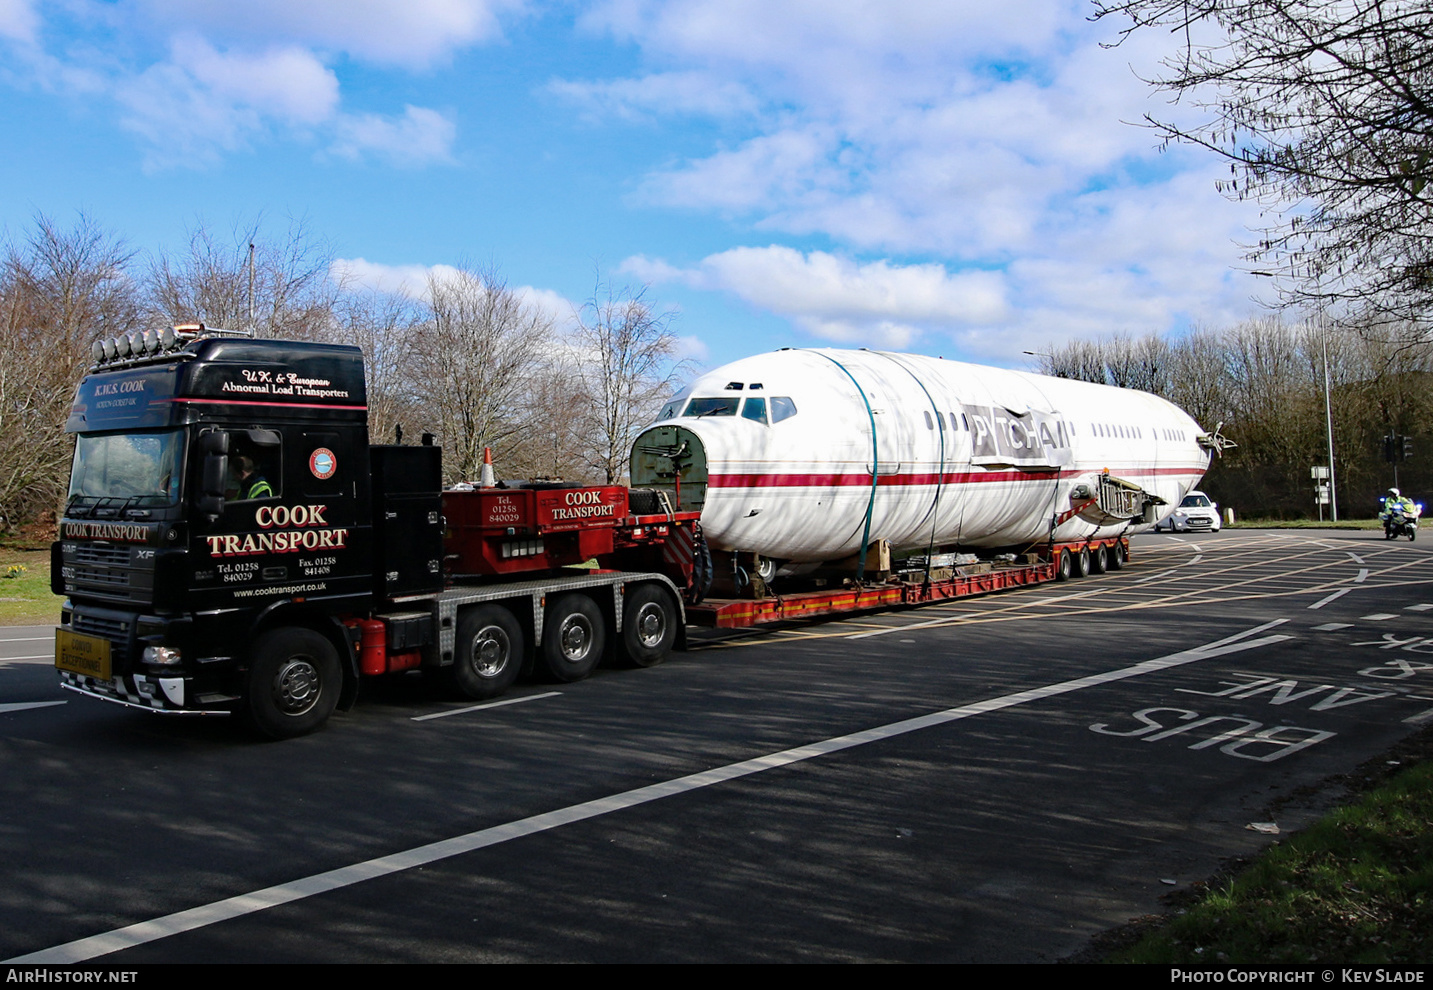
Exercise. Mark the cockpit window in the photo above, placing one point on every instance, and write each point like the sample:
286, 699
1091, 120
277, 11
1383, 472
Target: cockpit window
718, 406
670, 409
781, 408
754, 410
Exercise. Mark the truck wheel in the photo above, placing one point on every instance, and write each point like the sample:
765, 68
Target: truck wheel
1099, 559
1082, 564
294, 682
649, 626
487, 652
1062, 566
1117, 556
572, 638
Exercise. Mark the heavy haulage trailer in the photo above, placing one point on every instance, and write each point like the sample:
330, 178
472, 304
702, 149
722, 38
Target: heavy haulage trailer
233, 544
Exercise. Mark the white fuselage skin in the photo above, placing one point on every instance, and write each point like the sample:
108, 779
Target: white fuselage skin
963, 455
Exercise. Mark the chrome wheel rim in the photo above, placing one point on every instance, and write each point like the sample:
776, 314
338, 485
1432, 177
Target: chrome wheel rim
491, 649
651, 624
297, 686
574, 638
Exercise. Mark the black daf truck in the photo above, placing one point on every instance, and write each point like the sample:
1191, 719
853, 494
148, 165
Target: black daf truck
221, 522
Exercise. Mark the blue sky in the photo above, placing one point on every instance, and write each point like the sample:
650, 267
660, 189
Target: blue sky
953, 178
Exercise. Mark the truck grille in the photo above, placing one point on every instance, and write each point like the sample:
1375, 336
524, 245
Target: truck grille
93, 576
114, 630
89, 553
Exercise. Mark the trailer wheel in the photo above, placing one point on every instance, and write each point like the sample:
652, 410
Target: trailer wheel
1082, 564
649, 626
1099, 559
1062, 565
294, 681
572, 638
487, 652
1117, 556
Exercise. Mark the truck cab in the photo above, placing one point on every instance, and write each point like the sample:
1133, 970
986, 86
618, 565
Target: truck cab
221, 477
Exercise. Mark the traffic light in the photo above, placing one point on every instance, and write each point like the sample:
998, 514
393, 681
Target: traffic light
1397, 447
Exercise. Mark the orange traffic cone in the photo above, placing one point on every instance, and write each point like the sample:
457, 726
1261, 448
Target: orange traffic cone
487, 480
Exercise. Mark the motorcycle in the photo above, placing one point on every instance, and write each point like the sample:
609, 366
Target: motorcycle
1401, 523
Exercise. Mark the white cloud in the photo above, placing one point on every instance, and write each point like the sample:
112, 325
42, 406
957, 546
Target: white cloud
421, 136
699, 93
413, 281
18, 20
839, 299
992, 137
203, 101
405, 32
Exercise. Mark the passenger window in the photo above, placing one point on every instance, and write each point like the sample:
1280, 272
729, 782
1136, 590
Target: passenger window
754, 410
929, 423
781, 408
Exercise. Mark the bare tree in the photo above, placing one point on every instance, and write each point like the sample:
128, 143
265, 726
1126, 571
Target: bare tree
213, 283
383, 326
1324, 110
59, 291
627, 368
474, 358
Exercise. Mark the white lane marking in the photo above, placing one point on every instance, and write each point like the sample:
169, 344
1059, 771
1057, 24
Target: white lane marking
489, 704
1356, 558
49, 657
346, 876
21, 706
30, 639
1378, 616
1362, 574
1196, 558
1332, 626
1195, 548
1425, 715
1417, 608
1328, 598
1151, 577
884, 630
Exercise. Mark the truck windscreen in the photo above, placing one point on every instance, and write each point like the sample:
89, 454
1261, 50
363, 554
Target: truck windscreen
141, 468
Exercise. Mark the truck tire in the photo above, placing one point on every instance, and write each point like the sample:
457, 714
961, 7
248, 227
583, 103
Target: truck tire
1082, 564
1099, 559
487, 652
1117, 555
1062, 565
294, 682
649, 626
573, 635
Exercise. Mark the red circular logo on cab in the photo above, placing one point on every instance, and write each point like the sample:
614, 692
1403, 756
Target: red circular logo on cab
322, 464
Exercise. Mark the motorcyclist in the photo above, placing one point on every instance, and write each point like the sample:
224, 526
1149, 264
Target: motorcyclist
1396, 502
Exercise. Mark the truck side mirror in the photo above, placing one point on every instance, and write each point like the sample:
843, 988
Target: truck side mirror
214, 442
215, 447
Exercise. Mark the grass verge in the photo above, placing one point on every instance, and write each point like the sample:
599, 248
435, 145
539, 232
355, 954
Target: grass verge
1355, 887
25, 598
1304, 524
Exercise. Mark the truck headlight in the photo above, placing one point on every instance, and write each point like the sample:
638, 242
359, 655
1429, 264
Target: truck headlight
161, 655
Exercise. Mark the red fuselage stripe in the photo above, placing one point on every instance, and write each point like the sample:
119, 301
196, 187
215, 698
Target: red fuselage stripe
950, 478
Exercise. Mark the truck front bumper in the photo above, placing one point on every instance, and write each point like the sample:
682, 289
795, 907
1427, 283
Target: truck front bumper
161, 695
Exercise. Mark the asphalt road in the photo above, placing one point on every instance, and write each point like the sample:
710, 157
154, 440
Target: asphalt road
997, 779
